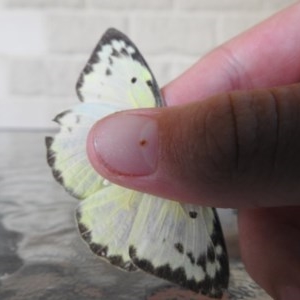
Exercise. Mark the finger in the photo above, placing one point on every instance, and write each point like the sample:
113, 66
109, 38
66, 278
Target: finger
270, 247
240, 149
267, 55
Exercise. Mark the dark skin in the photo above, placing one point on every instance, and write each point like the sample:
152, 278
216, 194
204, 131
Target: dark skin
264, 65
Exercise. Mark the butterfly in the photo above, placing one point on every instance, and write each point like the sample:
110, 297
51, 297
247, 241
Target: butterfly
179, 242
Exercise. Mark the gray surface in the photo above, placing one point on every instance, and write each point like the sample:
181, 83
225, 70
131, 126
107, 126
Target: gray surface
41, 253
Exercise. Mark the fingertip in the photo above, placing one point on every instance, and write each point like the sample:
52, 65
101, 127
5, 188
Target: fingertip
124, 144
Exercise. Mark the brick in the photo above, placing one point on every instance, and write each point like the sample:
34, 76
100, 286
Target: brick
22, 32
62, 75
232, 25
3, 79
130, 4
79, 32
33, 112
218, 5
27, 77
174, 34
44, 3
277, 4
48, 77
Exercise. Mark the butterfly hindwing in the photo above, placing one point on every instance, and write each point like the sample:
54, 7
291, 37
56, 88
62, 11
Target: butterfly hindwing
174, 241
165, 238
105, 221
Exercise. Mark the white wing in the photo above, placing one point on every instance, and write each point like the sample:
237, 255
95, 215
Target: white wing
182, 243
115, 78
105, 221
66, 152
117, 73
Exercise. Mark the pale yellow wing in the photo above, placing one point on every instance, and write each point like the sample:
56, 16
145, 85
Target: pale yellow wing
181, 243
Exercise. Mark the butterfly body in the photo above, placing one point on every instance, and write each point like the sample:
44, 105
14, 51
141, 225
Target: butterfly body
182, 243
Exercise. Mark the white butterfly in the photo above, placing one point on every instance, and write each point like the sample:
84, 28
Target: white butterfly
182, 243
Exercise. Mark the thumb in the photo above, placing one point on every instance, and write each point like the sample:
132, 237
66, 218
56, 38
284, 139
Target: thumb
239, 149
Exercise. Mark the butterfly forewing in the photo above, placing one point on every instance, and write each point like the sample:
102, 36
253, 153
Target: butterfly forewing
117, 73
115, 78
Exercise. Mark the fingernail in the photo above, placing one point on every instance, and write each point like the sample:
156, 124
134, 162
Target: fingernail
290, 293
127, 144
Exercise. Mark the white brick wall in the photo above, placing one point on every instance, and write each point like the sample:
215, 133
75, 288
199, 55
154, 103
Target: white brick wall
45, 43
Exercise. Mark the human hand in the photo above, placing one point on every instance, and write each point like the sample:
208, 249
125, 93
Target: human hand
217, 146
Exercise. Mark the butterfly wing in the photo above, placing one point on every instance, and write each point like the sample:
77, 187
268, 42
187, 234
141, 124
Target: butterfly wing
117, 73
66, 152
116, 77
105, 221
182, 243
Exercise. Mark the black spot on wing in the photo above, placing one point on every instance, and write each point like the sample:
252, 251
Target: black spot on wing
79, 85
211, 256
118, 261
179, 247
50, 152
99, 249
201, 261
145, 265
115, 53
132, 251
58, 176
218, 239
207, 285
133, 80
94, 59
191, 257
85, 233
193, 214
124, 52
88, 69
217, 235
149, 83
110, 60
108, 72
61, 115
222, 276
48, 141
